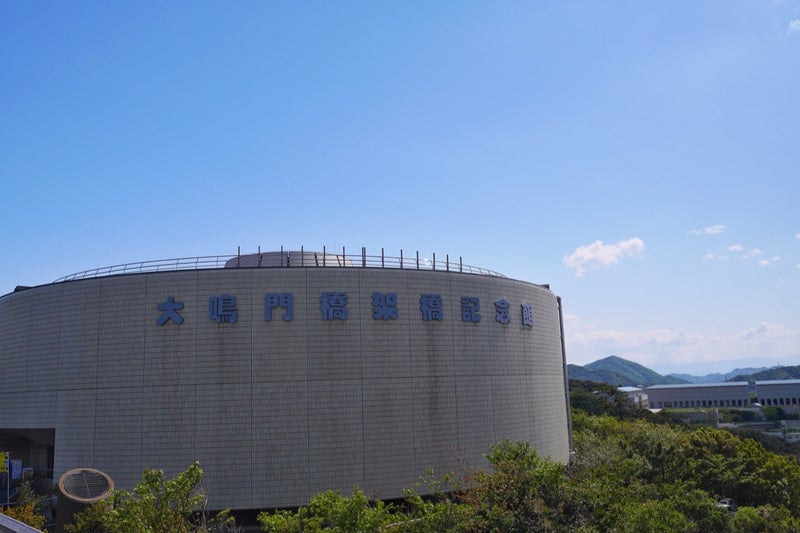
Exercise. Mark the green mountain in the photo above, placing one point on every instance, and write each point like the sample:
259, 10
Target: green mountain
619, 372
779, 372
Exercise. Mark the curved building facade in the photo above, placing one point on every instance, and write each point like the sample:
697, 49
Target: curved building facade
281, 381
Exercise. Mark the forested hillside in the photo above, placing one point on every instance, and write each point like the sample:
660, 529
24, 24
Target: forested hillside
781, 372
620, 372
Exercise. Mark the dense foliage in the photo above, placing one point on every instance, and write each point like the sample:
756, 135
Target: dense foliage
602, 399
622, 467
27, 508
156, 505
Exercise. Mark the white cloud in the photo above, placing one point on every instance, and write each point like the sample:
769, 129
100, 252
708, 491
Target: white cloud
756, 254
597, 254
765, 332
710, 230
768, 262
797, 236
794, 26
676, 348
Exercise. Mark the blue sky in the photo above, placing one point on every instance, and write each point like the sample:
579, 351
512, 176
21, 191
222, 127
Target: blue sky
642, 158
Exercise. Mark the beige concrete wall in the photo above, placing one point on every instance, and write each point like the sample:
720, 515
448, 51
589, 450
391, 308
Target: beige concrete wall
277, 411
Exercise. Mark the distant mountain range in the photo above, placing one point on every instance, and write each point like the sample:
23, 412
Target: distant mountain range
737, 374
777, 372
623, 373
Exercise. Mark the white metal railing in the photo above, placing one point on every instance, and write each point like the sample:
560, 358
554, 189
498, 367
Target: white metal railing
288, 259
158, 265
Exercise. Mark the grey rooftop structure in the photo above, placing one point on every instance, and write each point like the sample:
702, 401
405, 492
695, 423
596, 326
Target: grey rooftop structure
727, 394
779, 393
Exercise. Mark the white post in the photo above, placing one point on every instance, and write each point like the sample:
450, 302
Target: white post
8, 478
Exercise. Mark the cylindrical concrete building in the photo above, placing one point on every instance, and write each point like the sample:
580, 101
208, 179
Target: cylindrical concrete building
282, 377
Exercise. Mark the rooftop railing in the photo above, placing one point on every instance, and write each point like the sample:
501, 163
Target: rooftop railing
288, 259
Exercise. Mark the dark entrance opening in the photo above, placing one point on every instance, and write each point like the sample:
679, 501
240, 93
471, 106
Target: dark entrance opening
31, 454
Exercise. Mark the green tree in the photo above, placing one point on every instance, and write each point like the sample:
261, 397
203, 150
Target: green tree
330, 511
440, 513
440, 510
25, 513
522, 492
742, 469
601, 398
698, 507
661, 447
764, 519
653, 516
748, 520
156, 505
28, 507
774, 413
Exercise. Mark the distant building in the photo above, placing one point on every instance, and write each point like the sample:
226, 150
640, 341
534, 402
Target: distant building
730, 394
779, 393
788, 436
636, 395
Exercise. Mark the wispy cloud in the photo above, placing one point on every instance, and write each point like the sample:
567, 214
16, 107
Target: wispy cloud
797, 236
710, 230
588, 342
598, 254
739, 251
794, 26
